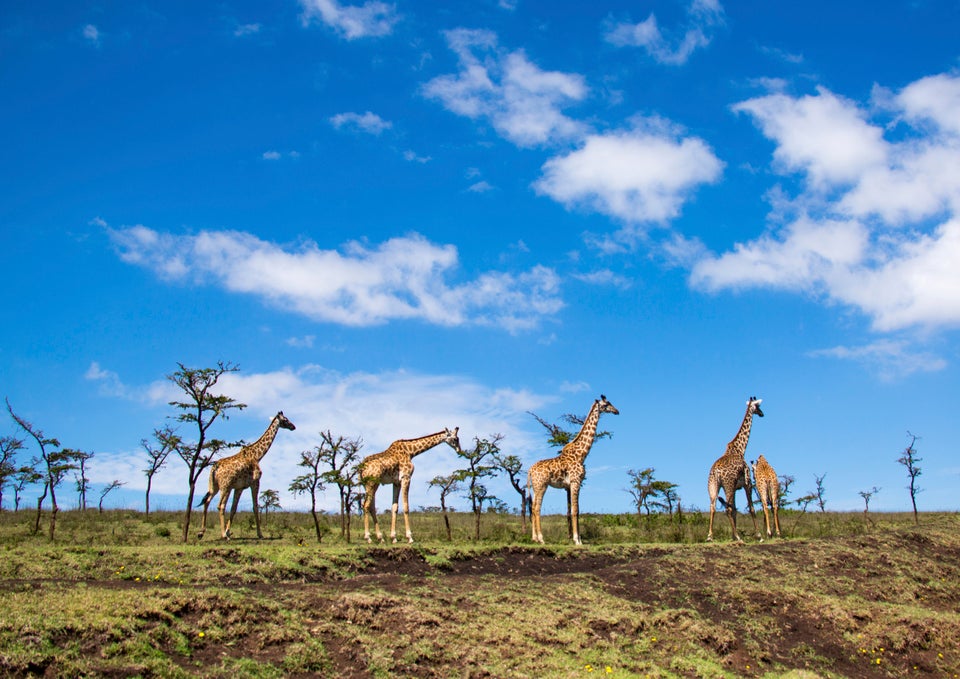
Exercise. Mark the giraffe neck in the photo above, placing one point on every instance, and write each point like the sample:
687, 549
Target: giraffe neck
580, 445
739, 443
413, 447
259, 448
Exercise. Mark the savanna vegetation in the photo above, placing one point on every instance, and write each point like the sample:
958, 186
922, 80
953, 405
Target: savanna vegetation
118, 594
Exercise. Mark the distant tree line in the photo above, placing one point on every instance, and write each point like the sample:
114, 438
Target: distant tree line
335, 462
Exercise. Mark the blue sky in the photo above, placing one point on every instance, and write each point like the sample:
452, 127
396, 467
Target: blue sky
400, 217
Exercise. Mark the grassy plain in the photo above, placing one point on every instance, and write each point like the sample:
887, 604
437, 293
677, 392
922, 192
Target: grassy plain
116, 594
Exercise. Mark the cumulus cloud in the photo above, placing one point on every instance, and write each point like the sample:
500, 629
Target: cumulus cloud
523, 102
370, 20
875, 224
670, 48
404, 278
316, 400
368, 122
641, 175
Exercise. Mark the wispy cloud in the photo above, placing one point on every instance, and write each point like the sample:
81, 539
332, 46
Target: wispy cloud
246, 29
369, 20
521, 101
91, 34
406, 278
890, 359
673, 47
369, 123
876, 222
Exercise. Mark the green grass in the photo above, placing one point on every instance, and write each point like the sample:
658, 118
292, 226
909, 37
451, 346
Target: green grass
118, 594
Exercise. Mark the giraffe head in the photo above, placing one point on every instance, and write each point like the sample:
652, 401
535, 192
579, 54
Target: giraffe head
753, 406
606, 406
452, 439
284, 422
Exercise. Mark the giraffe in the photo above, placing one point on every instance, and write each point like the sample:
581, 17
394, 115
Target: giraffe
566, 470
394, 466
768, 488
730, 472
239, 472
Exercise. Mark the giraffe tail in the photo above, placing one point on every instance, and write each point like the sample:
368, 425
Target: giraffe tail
203, 500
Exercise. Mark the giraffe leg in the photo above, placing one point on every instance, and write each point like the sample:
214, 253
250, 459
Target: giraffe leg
753, 515
369, 506
405, 496
535, 513
571, 532
775, 503
574, 494
255, 491
221, 509
393, 512
714, 489
212, 488
732, 512
233, 511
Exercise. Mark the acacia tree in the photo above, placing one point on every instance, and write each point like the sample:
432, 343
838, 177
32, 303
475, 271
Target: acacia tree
310, 483
54, 465
476, 470
269, 499
27, 475
785, 482
446, 484
820, 492
910, 460
80, 475
514, 468
342, 456
201, 408
113, 485
641, 489
866, 495
9, 447
157, 456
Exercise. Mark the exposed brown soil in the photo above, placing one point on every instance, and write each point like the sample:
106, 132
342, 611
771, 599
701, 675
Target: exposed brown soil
848, 607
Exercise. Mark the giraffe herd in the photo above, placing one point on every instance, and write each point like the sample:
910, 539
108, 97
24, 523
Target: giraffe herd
394, 466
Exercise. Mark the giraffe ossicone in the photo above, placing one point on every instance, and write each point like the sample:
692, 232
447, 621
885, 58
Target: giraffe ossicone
239, 472
394, 466
566, 470
730, 473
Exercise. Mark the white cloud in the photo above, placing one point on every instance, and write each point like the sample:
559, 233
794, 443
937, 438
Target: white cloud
369, 20
703, 16
91, 34
305, 342
271, 155
604, 277
480, 187
642, 175
824, 136
368, 122
246, 29
401, 279
318, 400
521, 101
412, 157
878, 223
891, 359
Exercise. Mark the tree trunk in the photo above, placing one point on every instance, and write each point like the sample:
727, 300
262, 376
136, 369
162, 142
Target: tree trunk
36, 525
186, 520
147, 502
